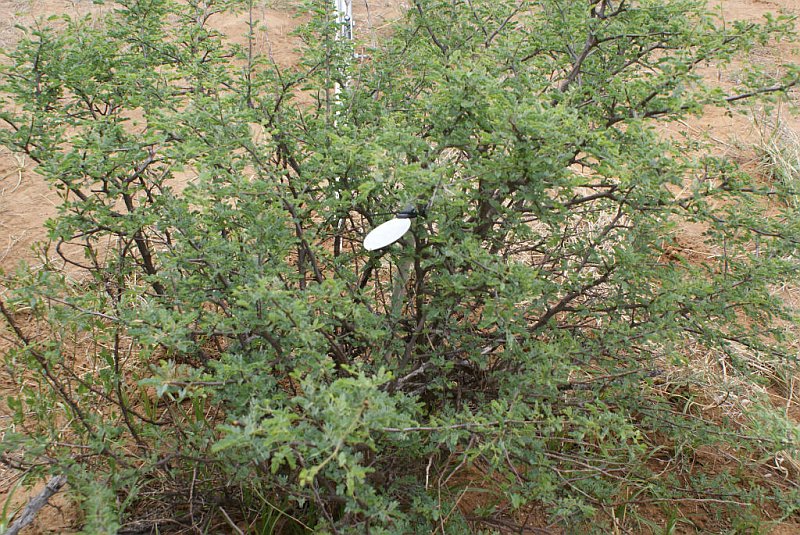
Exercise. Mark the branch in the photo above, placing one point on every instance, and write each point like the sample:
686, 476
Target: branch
467, 425
764, 91
36, 503
442, 47
567, 299
502, 26
591, 42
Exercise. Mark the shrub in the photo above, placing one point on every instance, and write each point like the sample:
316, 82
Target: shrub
208, 344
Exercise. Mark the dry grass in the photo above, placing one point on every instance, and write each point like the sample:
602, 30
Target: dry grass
10, 181
778, 153
758, 393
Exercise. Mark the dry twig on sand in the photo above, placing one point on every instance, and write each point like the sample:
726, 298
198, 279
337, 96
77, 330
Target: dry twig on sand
36, 503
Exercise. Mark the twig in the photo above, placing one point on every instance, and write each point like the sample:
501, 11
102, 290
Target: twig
764, 90
230, 522
468, 425
36, 503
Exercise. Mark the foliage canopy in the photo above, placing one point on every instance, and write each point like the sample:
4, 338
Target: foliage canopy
208, 342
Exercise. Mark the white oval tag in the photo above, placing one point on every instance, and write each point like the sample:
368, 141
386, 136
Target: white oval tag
386, 234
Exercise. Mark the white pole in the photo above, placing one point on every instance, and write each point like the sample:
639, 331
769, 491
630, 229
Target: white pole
344, 18
344, 24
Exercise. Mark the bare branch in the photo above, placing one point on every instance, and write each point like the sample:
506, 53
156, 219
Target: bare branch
36, 503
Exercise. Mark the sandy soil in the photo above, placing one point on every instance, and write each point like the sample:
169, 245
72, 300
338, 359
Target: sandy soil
26, 202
